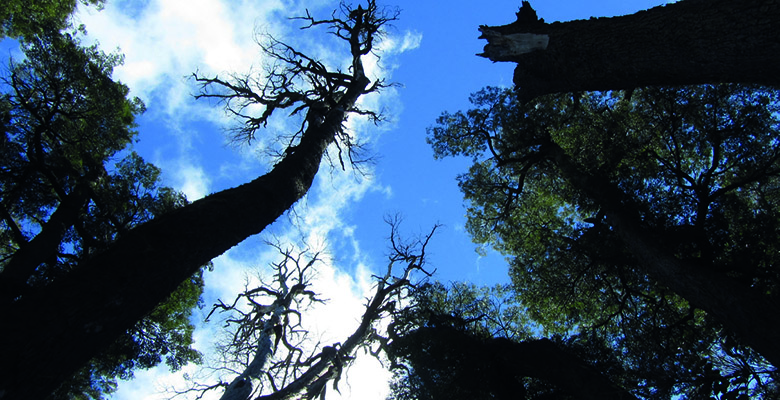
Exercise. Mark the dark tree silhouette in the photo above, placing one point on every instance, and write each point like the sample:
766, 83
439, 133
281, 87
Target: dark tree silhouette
648, 216
271, 356
687, 42
463, 342
64, 125
53, 331
456, 365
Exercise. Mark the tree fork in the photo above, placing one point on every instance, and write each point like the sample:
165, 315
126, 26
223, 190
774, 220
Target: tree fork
688, 42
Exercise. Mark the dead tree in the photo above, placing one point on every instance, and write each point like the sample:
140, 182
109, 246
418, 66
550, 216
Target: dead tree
273, 319
276, 358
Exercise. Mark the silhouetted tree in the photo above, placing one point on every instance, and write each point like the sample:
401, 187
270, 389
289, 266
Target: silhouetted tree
64, 121
647, 218
270, 354
57, 329
464, 342
683, 43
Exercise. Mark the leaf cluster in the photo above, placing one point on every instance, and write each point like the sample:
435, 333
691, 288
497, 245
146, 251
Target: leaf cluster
69, 188
26, 19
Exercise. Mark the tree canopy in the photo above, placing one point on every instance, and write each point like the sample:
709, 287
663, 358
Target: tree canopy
68, 190
644, 219
26, 19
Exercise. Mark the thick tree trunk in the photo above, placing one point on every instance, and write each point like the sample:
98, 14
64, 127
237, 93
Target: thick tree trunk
748, 314
507, 362
48, 335
543, 359
688, 42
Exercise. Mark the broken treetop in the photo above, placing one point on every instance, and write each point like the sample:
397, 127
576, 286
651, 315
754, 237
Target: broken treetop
688, 42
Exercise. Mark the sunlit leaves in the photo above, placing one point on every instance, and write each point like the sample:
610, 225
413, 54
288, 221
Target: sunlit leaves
20, 18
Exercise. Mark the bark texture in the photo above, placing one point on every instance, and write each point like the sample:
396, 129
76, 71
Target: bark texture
50, 334
688, 42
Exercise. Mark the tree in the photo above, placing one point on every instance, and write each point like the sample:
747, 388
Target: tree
64, 121
463, 342
271, 355
641, 217
83, 313
683, 43
25, 19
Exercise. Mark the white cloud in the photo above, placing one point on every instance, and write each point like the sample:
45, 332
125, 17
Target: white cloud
192, 180
338, 318
169, 39
397, 45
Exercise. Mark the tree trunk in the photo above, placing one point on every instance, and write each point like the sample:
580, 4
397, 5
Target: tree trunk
689, 42
50, 333
746, 313
543, 359
507, 362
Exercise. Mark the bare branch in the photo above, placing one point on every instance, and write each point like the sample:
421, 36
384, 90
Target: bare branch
303, 84
282, 368
331, 360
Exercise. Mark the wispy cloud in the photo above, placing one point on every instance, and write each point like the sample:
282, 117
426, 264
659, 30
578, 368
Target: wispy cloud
166, 40
193, 181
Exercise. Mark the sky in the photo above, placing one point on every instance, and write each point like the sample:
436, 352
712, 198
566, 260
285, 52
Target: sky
430, 52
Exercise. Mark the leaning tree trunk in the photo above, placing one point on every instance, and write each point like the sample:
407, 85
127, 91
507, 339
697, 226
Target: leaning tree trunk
689, 42
51, 332
48, 336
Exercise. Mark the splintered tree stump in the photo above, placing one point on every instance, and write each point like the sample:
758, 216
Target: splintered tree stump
684, 43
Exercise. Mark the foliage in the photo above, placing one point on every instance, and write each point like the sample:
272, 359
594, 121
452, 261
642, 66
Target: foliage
65, 122
461, 368
26, 19
700, 166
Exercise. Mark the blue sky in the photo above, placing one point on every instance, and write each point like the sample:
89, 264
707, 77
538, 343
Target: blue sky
430, 51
